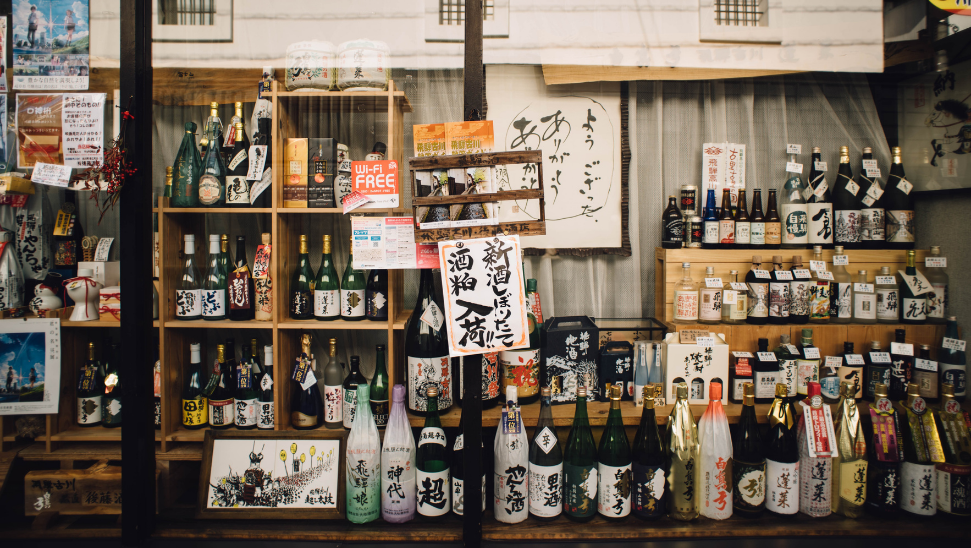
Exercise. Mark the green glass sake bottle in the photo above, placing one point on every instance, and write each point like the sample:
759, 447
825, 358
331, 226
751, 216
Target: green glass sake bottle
614, 463
363, 464
327, 287
580, 466
650, 463
353, 286
187, 168
434, 491
111, 401
301, 285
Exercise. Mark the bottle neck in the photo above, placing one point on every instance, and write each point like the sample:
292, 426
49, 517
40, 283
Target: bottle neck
190, 250
757, 201
426, 288
581, 412
240, 253
379, 366
214, 248
431, 407
772, 201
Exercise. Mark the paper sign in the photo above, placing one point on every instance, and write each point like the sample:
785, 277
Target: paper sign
817, 265
485, 295
762, 274
820, 435
714, 283
354, 200
885, 280
820, 166
51, 174
792, 349
428, 256
926, 365
261, 185
82, 125
389, 243
870, 164
802, 274
729, 296
261, 263
868, 200
689, 336
821, 188
954, 344
873, 173
257, 160
834, 361
739, 286
840, 260
935, 262
104, 246
738, 354
807, 192
705, 341
378, 180
901, 349
905, 186
875, 191
793, 167
433, 316
854, 359
825, 275
767, 357
32, 348
811, 353
852, 187
783, 275
880, 357
793, 149
863, 288
917, 283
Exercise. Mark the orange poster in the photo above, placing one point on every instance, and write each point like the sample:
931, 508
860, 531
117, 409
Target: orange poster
429, 139
469, 137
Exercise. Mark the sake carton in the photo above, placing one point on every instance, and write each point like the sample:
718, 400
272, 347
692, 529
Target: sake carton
570, 352
697, 358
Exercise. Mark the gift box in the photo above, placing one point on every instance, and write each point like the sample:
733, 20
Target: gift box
106, 273
616, 369
109, 305
570, 352
323, 169
697, 362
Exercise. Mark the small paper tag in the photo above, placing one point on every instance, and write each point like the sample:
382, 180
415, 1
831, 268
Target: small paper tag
870, 164
885, 280
868, 200
817, 265
935, 262
793, 167
793, 149
309, 381
811, 353
354, 200
739, 286
802, 274
820, 165
834, 361
854, 359
905, 186
738, 354
926, 365
825, 275
841, 260
792, 349
954, 344
51, 174
714, 283
433, 316
902, 349
257, 160
917, 283
863, 288
875, 191
729, 296
104, 246
852, 187
767, 356
689, 336
818, 421
705, 341
880, 357
762, 274
510, 420
873, 173
783, 275
821, 188
807, 193
266, 383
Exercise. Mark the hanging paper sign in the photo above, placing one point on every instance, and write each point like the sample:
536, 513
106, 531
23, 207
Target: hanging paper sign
917, 283
389, 243
82, 125
378, 180
485, 295
793, 167
104, 247
51, 174
261, 264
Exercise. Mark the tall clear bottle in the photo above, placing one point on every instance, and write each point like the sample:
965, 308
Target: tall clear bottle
937, 298
353, 286
715, 458
242, 291
898, 206
511, 464
214, 298
362, 465
380, 389
686, 297
737, 312
850, 464
710, 298
431, 461
748, 459
782, 456
922, 452
819, 301
399, 489
327, 287
649, 496
614, 462
545, 465
333, 379
426, 349
954, 474
188, 296
819, 204
683, 460
212, 181
864, 300
846, 204
795, 219
757, 299
580, 466
841, 290
187, 169
886, 452
952, 360
301, 284
872, 222
888, 296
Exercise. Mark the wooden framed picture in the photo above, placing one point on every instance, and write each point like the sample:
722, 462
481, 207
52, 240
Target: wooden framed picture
272, 475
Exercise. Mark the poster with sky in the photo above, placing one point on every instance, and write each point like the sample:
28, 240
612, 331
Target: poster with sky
30, 366
50, 44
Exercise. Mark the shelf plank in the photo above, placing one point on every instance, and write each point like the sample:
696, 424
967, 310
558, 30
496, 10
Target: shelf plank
183, 434
473, 160
334, 324
226, 210
220, 324
524, 228
340, 211
74, 451
503, 196
181, 452
401, 319
92, 323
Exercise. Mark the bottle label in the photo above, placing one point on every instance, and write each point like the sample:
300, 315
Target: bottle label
788, 373
819, 299
685, 305
379, 409
884, 486
239, 284
847, 226
434, 493
521, 369
237, 189
300, 303
683, 484
209, 189
816, 486
490, 376
716, 485
915, 309
265, 415
711, 305
808, 371
779, 300
936, 300
581, 490
800, 295
376, 305
830, 387
726, 232
221, 412
953, 496
773, 233
739, 310
887, 300
674, 231
955, 375
246, 412
765, 382
758, 233
362, 468
820, 221
188, 303
871, 225
918, 488
796, 223
423, 372
195, 412
901, 227
758, 300
865, 306
546, 440
545, 490
398, 488
844, 302
432, 435
458, 496
301, 420
852, 375
649, 490
749, 480
613, 493
711, 232
213, 302
349, 407
511, 491
327, 303
237, 159
743, 233
926, 381
333, 403
738, 387
782, 486
89, 410
352, 303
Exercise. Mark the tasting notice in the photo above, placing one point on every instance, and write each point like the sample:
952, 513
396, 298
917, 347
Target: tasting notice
389, 243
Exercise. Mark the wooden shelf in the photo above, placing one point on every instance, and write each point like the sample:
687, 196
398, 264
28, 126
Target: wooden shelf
92, 323
181, 452
227, 210
84, 451
402, 319
362, 101
333, 324
94, 433
184, 434
220, 324
340, 210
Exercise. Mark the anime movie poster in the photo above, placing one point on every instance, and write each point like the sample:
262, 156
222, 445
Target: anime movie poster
274, 473
3, 54
50, 44
30, 366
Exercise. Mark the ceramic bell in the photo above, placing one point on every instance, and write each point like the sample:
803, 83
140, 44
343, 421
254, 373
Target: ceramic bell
44, 299
85, 291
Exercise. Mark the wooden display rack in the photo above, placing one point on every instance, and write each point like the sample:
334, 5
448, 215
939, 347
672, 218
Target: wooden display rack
525, 228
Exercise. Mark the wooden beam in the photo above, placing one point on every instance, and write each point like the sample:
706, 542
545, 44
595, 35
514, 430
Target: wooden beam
898, 53
575, 74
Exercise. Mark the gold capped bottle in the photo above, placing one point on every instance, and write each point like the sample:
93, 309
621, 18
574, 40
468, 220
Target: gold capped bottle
954, 474
850, 465
683, 460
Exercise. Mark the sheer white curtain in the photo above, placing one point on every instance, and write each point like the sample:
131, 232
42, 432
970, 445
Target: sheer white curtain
669, 122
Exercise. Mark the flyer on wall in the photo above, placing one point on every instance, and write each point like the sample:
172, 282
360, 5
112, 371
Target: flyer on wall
3, 54
50, 44
30, 366
60, 128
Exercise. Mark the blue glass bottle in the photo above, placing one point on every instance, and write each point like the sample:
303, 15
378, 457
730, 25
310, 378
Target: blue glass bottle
710, 240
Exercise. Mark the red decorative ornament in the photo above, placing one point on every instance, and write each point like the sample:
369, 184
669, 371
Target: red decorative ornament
110, 176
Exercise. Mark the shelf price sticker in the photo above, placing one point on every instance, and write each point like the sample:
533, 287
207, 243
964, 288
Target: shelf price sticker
820, 165
811, 353
378, 180
925, 365
738, 354
767, 356
902, 349
764, 274
739, 286
793, 167
854, 359
793, 149
841, 260
792, 349
802, 274
873, 173
935, 262
917, 283
885, 280
954, 344
705, 341
713, 283
729, 296
823, 275
863, 288
783, 275
817, 266
834, 361
870, 164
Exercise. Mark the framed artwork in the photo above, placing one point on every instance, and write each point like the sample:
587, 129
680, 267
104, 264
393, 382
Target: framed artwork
30, 365
272, 475
205, 21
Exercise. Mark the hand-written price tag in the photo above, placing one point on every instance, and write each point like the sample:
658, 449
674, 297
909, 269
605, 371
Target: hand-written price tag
51, 174
690, 336
739, 286
905, 186
880, 357
807, 192
834, 361
817, 265
762, 274
767, 356
793, 167
854, 359
902, 349
926, 365
714, 283
257, 161
868, 200
811, 353
793, 149
433, 316
743, 354
729, 296
852, 187
875, 190
825, 275
705, 341
802, 274
104, 246
935, 262
873, 173
885, 280
840, 260
783, 275
820, 165
863, 288
821, 188
917, 283
870, 164
954, 344
792, 349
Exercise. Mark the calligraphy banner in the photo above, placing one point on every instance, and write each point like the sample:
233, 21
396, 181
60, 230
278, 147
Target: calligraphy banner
485, 295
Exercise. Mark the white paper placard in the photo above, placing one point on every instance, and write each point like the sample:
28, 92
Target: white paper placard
739, 354
739, 286
807, 192
485, 292
875, 190
714, 283
880, 357
852, 187
802, 274
793, 149
764, 274
926, 365
817, 265
935, 262
783, 275
793, 167
870, 164
902, 349
863, 288
389, 243
705, 341
954, 344
51, 174
104, 247
885, 280
82, 126
841, 260
905, 186
821, 188
30, 357
729, 296
767, 356
873, 173
792, 349
825, 275
917, 283
834, 361
854, 359
820, 165
257, 160
811, 353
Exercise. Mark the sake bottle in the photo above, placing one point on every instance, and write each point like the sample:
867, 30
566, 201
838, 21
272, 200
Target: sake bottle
952, 360
872, 222
846, 204
301, 285
511, 464
246, 392
614, 463
649, 468
214, 289
266, 414
212, 179
886, 453
815, 456
922, 452
899, 207
376, 295
351, 382
457, 471
819, 204
683, 460
545, 464
353, 285
748, 460
580, 465
188, 296
305, 401
187, 169
795, 220
362, 466
195, 403
333, 389
327, 287
850, 464
379, 388
782, 456
90, 394
431, 461
398, 493
716, 457
954, 474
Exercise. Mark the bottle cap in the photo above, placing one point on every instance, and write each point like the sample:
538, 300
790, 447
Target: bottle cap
327, 237
844, 150
913, 389
685, 265
867, 150
781, 390
267, 355
531, 284
925, 347
947, 389
748, 389
616, 391
757, 259
895, 151
952, 318
195, 353
379, 348
861, 272
303, 238
214, 238
838, 250
900, 334
672, 197
846, 389
355, 361
813, 389
213, 105
733, 272
220, 353
763, 342
847, 347
682, 392
432, 391
935, 249
224, 237
807, 334
398, 393
581, 392
511, 394
784, 339
796, 261
875, 345
709, 271
715, 391
545, 392
817, 249
884, 270
777, 259
879, 390
189, 238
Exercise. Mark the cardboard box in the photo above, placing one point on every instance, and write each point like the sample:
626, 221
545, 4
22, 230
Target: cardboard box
105, 273
429, 139
323, 170
295, 173
109, 305
616, 368
697, 365
570, 351
18, 185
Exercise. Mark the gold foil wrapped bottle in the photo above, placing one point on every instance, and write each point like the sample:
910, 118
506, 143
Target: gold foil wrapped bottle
850, 466
683, 456
954, 474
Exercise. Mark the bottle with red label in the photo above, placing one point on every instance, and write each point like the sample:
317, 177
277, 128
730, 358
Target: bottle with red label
739, 374
716, 458
817, 445
241, 290
885, 453
954, 474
